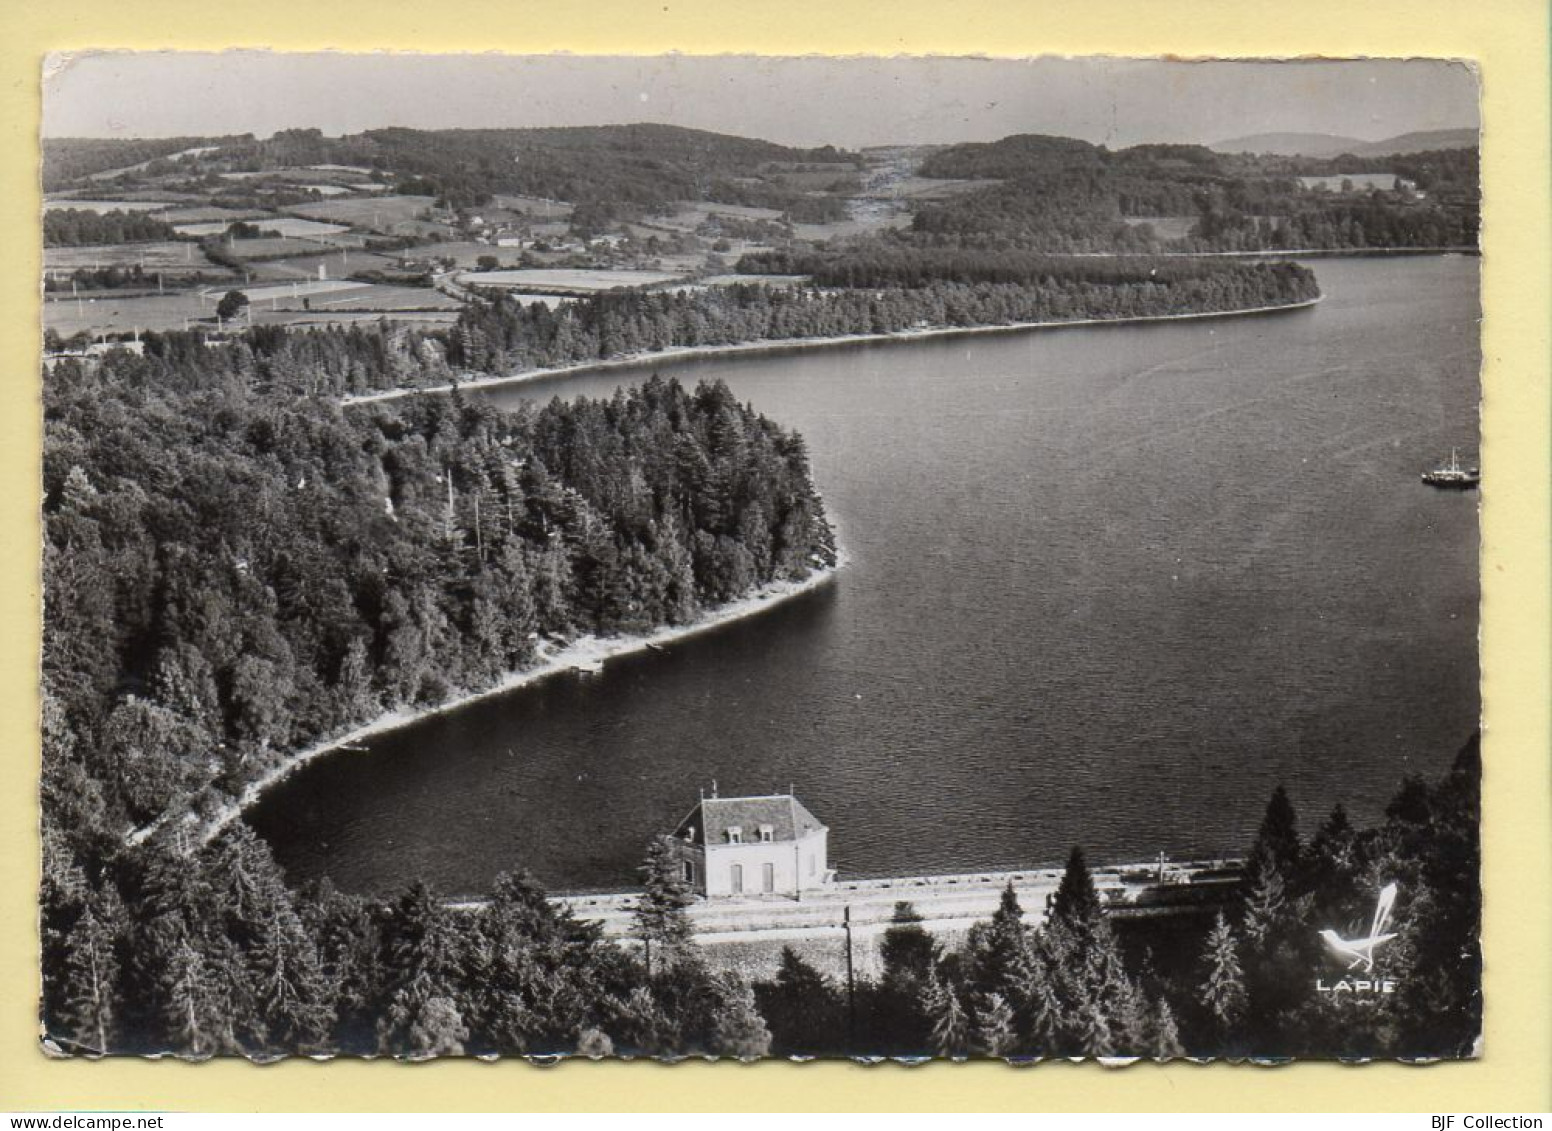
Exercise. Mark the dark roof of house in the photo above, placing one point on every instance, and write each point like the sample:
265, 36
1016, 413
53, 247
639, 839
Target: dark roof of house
710, 820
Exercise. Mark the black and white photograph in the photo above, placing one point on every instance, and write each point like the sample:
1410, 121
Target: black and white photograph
748, 557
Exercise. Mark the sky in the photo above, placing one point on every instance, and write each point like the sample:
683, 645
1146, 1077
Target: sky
809, 101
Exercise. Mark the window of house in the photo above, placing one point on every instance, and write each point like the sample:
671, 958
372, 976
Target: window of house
767, 834
689, 871
735, 834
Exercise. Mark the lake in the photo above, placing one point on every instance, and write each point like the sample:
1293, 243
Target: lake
1107, 586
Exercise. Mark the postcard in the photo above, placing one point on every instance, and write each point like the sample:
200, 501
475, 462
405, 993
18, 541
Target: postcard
754, 557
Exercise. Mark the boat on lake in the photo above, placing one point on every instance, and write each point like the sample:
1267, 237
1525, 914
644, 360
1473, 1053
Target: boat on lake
1452, 474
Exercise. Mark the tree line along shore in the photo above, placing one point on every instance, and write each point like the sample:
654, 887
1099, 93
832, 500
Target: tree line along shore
497, 335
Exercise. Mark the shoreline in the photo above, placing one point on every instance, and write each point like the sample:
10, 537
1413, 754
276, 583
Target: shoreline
771, 345
585, 655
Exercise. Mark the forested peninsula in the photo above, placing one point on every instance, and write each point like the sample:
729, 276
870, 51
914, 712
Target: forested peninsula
234, 575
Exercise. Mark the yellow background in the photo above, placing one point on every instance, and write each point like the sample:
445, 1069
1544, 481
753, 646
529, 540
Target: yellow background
1509, 40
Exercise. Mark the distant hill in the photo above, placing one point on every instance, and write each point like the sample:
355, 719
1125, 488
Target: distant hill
1291, 145
1333, 145
1421, 142
641, 165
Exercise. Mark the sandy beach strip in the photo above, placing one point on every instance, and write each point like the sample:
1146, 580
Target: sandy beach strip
584, 654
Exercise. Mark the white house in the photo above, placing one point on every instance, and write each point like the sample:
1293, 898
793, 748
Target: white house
750, 846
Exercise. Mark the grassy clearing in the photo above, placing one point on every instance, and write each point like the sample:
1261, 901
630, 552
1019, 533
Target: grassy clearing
212, 213
285, 225
533, 206
464, 253
1165, 227
930, 188
102, 206
345, 301
567, 279
379, 213
337, 265
151, 256
374, 296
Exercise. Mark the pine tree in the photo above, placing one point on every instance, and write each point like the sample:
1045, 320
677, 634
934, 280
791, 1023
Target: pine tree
1223, 993
421, 962
191, 1009
89, 1016
1266, 902
1077, 901
803, 1008
998, 951
1165, 1033
661, 921
1046, 1020
995, 1030
950, 1034
909, 956
1278, 836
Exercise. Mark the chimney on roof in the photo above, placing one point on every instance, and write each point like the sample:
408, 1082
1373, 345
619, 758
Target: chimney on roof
713, 788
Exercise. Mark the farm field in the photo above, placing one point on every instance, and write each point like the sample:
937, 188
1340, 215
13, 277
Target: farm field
858, 225
554, 302
377, 296
380, 213
465, 252
211, 213
299, 289
928, 188
109, 314
347, 317
690, 215
533, 206
339, 300
285, 225
167, 255
336, 264
575, 280
1165, 227
346, 294
269, 248
103, 206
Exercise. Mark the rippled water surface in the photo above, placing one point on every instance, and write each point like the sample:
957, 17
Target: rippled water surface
1107, 586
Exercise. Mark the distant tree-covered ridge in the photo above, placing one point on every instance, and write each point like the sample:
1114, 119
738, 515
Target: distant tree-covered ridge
1058, 194
644, 165
232, 575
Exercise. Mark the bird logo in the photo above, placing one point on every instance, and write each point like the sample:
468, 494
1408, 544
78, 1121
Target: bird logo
1360, 952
